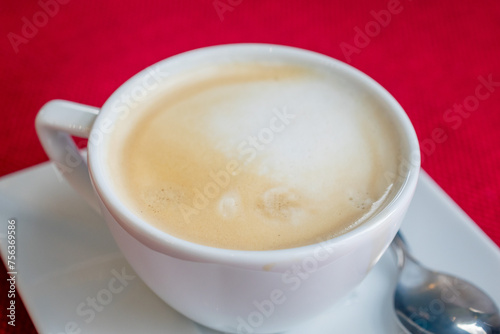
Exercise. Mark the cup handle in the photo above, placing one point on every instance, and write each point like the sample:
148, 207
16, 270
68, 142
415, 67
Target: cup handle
55, 123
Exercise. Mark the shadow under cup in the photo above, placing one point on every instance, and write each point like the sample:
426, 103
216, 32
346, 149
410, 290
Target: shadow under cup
249, 291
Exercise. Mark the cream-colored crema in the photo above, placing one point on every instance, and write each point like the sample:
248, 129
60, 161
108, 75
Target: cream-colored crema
255, 156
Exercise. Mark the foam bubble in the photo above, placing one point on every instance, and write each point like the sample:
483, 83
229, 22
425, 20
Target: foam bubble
280, 204
229, 205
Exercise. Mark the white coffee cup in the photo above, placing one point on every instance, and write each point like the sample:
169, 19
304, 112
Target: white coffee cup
228, 290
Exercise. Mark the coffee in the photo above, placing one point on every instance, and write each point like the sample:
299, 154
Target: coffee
256, 156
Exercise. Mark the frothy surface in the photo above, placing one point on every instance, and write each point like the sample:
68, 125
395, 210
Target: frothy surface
255, 156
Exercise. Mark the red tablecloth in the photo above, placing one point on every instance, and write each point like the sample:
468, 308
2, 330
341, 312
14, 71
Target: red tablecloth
440, 59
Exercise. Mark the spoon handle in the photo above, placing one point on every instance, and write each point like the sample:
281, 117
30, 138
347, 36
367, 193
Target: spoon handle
400, 248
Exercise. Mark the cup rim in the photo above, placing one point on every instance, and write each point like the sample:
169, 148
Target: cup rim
165, 243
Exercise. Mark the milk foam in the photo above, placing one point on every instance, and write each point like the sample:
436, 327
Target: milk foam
256, 156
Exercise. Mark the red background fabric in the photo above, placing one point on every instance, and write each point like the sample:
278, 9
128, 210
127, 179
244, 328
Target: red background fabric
431, 55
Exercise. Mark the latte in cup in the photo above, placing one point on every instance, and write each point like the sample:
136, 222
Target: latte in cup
256, 155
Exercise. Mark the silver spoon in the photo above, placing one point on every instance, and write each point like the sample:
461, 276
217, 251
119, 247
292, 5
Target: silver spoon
428, 302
